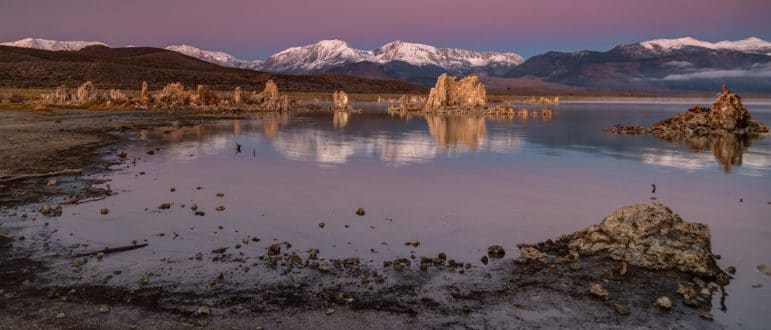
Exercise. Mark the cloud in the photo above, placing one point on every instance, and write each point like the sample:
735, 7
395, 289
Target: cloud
760, 70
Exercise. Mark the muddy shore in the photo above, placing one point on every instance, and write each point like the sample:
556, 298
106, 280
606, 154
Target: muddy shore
37, 291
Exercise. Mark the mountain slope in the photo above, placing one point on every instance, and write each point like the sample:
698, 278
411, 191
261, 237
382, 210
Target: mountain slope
683, 64
216, 57
126, 68
54, 45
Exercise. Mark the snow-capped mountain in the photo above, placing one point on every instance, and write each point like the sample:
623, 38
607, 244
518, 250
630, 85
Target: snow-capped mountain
313, 58
216, 57
328, 54
661, 47
54, 45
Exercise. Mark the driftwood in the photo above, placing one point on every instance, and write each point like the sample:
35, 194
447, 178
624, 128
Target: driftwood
111, 250
82, 200
16, 177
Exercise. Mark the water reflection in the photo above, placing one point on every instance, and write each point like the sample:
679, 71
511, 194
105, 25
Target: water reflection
399, 139
728, 149
457, 130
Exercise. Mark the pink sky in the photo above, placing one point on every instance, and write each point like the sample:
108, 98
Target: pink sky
256, 29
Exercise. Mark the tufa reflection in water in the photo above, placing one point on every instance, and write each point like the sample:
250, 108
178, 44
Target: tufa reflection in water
452, 130
728, 149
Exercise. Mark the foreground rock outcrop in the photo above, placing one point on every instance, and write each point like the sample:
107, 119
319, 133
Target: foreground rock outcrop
650, 236
450, 93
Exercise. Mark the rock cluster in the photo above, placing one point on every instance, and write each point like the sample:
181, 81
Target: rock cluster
644, 235
450, 93
542, 100
340, 101
727, 115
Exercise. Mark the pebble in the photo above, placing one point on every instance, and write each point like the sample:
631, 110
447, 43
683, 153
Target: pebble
194, 206
220, 195
496, 251
329, 311
199, 213
51, 182
60, 316
414, 243
164, 206
663, 302
220, 208
104, 309
104, 211
731, 270
203, 310
360, 212
144, 280
321, 225
765, 269
620, 309
598, 291
484, 260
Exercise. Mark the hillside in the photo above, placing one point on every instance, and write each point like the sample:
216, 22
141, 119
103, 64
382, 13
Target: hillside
126, 68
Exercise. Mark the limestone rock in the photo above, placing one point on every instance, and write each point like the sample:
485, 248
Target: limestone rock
145, 95
116, 96
644, 235
726, 115
340, 101
173, 95
60, 96
238, 96
204, 96
86, 93
450, 93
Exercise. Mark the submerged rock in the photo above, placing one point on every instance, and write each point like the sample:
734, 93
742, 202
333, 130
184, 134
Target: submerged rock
643, 235
449, 93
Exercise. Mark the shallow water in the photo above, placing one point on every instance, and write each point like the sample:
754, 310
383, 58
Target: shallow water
456, 184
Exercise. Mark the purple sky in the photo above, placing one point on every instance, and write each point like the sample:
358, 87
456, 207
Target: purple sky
255, 29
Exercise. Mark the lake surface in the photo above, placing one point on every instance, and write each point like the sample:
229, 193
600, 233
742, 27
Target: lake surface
457, 184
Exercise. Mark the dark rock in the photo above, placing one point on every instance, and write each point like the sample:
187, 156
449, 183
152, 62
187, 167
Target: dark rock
496, 251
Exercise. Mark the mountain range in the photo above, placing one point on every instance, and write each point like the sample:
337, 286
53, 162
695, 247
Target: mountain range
653, 65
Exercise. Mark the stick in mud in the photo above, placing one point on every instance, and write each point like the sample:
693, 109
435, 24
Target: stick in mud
9, 178
82, 200
111, 250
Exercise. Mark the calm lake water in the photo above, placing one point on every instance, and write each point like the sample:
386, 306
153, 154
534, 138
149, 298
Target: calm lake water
456, 184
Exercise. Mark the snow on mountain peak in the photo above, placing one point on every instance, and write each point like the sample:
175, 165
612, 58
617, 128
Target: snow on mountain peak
216, 57
327, 54
54, 45
752, 44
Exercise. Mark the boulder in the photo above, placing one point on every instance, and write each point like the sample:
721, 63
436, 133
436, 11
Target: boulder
340, 101
650, 236
450, 93
727, 115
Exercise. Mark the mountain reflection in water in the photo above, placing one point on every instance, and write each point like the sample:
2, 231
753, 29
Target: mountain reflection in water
398, 139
